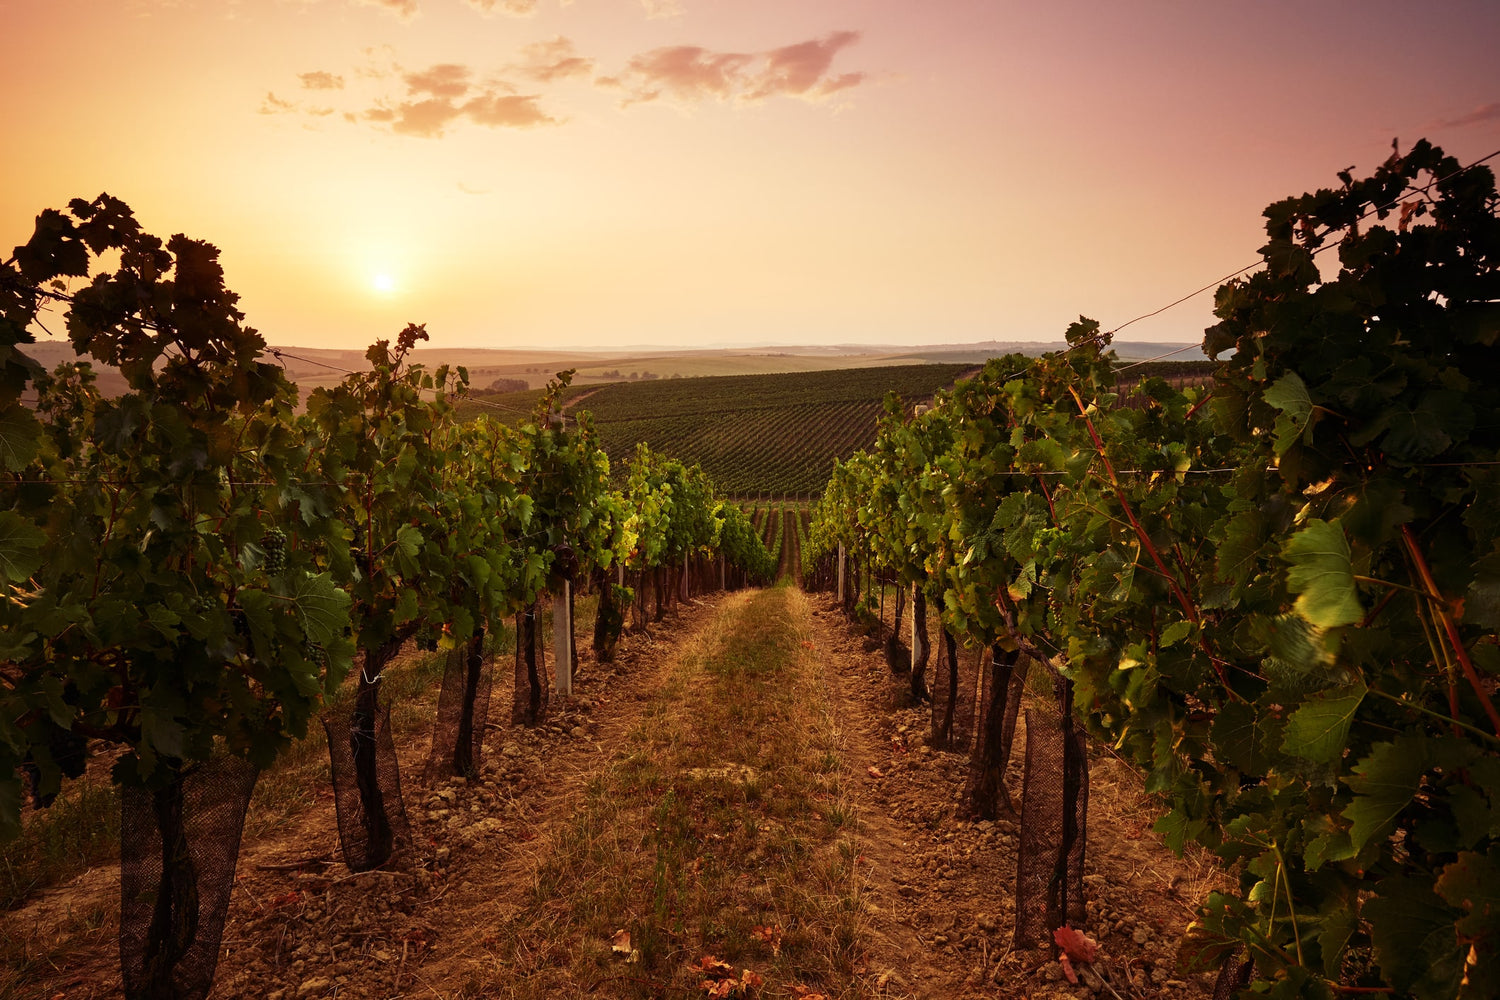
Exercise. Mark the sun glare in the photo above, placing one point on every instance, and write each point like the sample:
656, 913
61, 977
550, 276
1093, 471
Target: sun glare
383, 283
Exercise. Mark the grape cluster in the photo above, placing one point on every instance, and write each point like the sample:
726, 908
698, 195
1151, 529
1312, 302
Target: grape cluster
203, 604
314, 653
274, 542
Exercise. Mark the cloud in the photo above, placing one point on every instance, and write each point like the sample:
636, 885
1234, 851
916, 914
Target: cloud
320, 80
438, 97
442, 80
404, 9
274, 105
507, 111
553, 60
691, 73
1485, 113
662, 8
516, 8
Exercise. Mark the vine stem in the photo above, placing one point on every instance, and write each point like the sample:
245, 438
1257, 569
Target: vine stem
1183, 600
1440, 610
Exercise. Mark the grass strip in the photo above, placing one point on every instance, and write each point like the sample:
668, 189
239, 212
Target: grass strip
720, 831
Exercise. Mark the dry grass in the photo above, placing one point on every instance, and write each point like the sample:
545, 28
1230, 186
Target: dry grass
720, 829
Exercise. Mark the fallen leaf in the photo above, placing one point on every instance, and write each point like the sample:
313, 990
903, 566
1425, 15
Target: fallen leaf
1076, 945
715, 966
750, 980
803, 993
874, 771
769, 936
620, 943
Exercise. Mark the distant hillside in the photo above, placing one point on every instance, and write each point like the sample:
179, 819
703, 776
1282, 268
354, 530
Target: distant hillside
752, 434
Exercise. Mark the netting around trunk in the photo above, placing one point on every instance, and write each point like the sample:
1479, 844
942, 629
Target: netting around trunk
178, 848
373, 829
953, 696
1054, 814
462, 711
1234, 975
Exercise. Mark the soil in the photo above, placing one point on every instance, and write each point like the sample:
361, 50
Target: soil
937, 898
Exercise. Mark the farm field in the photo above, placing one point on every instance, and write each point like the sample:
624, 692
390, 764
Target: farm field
752, 434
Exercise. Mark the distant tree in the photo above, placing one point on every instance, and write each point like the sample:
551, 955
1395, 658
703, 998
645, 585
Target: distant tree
509, 385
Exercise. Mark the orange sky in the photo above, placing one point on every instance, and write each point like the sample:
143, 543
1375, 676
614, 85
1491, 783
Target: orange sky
596, 173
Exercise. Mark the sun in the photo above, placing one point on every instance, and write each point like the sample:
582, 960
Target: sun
383, 283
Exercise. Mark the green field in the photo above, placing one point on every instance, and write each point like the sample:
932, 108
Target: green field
753, 434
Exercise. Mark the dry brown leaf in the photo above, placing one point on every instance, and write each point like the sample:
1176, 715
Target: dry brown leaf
620, 943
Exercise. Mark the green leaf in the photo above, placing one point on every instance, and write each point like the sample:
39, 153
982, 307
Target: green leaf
1175, 632
1237, 734
20, 547
1319, 730
19, 434
1322, 574
1289, 395
1384, 784
322, 607
160, 730
1414, 941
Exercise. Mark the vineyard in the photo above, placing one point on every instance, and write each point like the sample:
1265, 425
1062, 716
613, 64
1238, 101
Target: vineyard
563, 714
752, 434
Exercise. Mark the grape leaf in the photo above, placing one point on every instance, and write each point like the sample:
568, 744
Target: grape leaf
1289, 395
1414, 940
323, 608
1384, 784
20, 547
19, 432
1319, 729
1236, 736
1322, 575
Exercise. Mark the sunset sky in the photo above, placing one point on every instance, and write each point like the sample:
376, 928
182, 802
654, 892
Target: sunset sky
600, 173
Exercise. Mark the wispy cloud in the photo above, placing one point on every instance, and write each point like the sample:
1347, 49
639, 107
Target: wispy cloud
442, 80
516, 8
404, 9
551, 60
273, 105
321, 80
440, 96
662, 8
690, 73
1484, 113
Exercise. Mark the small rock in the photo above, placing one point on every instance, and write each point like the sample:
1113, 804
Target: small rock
314, 987
1141, 935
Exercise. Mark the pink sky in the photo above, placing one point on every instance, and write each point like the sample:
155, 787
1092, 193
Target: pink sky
533, 173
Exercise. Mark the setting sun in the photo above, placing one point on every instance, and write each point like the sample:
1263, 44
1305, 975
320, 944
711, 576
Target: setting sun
383, 283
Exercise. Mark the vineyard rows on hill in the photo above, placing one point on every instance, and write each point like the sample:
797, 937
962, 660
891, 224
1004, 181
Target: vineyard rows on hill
752, 434
1277, 594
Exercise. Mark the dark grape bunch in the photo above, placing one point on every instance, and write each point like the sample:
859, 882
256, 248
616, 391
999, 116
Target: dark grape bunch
274, 542
314, 652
